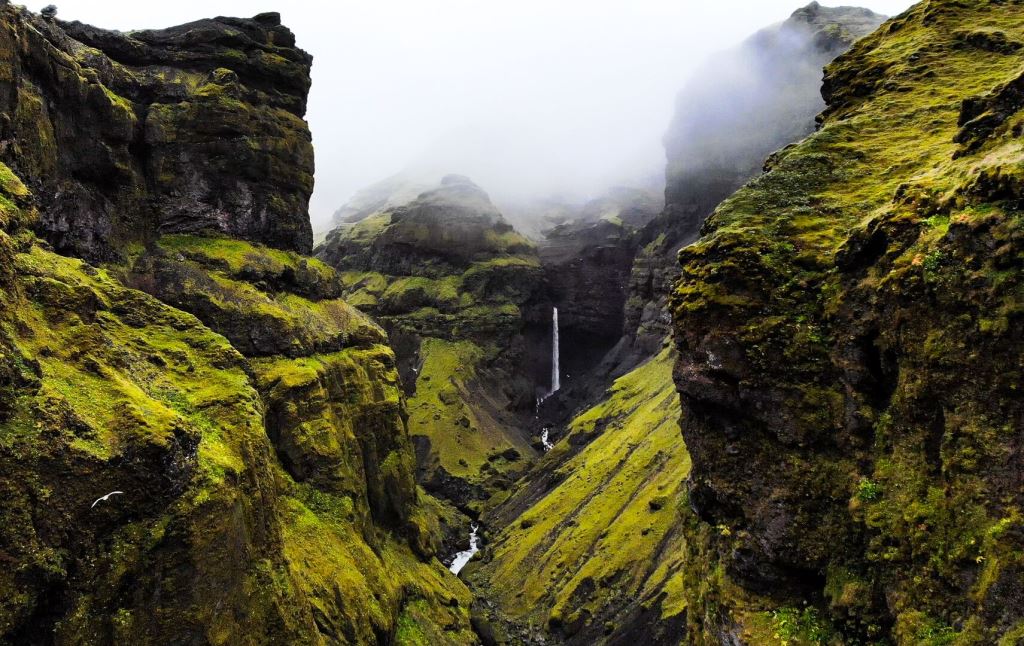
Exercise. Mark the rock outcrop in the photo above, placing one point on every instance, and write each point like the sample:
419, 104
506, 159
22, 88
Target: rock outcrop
252, 419
122, 137
742, 106
459, 291
587, 262
389, 193
850, 355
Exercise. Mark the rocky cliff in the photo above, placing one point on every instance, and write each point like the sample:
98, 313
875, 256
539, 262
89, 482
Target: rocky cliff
126, 136
191, 359
743, 105
459, 292
587, 262
848, 329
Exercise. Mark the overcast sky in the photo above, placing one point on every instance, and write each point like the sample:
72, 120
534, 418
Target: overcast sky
525, 96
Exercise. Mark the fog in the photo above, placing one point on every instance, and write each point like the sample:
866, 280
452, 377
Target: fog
527, 97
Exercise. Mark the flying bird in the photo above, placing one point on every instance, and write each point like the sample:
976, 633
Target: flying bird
101, 498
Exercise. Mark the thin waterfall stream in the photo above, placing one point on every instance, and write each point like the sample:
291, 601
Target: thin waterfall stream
556, 375
556, 381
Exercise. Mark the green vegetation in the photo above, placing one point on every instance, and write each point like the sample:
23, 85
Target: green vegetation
447, 278
861, 275
868, 491
109, 388
246, 260
609, 535
462, 423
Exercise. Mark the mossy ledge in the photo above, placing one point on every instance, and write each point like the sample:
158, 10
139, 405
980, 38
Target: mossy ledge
848, 329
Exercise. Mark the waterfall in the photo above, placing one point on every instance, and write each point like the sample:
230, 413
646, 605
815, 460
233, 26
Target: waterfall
463, 557
555, 369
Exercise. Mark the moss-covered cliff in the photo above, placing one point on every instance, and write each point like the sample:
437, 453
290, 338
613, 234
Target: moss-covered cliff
737, 109
252, 419
125, 136
456, 287
848, 329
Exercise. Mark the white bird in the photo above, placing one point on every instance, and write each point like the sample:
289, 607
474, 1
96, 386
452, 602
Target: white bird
112, 493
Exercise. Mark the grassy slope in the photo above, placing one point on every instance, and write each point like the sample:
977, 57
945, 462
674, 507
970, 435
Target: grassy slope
779, 271
608, 536
463, 435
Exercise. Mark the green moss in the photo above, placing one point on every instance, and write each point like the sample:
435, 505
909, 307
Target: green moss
242, 258
404, 294
10, 184
868, 491
612, 523
461, 438
366, 230
507, 242
122, 103
793, 626
388, 592
869, 252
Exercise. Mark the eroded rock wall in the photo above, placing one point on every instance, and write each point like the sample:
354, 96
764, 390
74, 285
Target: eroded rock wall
850, 351
190, 358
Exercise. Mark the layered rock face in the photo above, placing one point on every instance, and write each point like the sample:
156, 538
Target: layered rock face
126, 136
457, 289
744, 105
850, 355
587, 261
253, 421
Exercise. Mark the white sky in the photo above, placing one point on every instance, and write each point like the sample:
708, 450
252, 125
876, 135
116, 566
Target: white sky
525, 96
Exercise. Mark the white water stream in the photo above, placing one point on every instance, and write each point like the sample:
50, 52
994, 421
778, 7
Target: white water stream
464, 556
545, 441
556, 375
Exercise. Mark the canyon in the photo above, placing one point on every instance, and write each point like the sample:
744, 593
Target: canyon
778, 403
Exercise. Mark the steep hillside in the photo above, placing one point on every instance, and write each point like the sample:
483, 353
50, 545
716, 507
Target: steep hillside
251, 421
848, 330
457, 289
592, 551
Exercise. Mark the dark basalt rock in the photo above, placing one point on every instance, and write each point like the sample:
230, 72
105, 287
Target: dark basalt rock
587, 263
442, 231
123, 136
848, 366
